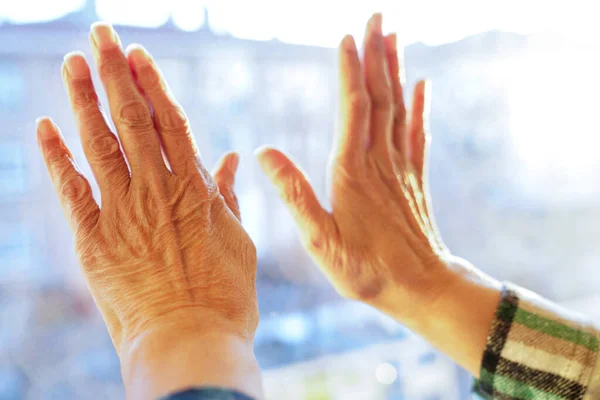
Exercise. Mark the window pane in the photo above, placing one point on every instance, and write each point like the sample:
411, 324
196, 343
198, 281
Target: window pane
514, 174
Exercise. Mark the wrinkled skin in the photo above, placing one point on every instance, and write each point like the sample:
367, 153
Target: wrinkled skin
172, 270
379, 243
166, 245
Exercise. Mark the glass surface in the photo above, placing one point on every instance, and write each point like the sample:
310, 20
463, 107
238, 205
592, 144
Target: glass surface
514, 175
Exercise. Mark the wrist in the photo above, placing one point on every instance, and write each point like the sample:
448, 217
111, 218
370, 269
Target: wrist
464, 288
458, 319
173, 357
452, 307
450, 281
413, 302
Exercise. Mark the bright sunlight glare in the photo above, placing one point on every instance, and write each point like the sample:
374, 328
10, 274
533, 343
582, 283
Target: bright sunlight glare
317, 22
26, 11
551, 117
553, 122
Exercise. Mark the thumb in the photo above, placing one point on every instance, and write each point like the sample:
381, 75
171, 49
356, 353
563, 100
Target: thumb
295, 190
224, 176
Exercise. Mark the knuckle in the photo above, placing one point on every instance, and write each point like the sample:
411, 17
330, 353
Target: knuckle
173, 121
56, 156
149, 79
85, 101
293, 193
83, 96
103, 147
399, 114
359, 103
73, 190
135, 114
112, 66
382, 100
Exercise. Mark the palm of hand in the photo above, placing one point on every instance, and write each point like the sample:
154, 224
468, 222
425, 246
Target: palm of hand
379, 243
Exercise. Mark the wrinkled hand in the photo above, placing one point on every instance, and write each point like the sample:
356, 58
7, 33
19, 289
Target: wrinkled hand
166, 247
379, 244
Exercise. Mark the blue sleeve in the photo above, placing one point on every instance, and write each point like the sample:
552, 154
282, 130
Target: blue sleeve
207, 394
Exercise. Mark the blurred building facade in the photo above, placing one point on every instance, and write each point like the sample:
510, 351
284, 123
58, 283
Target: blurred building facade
239, 95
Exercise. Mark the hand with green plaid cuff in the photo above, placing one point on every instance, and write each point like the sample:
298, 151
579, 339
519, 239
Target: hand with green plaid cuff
536, 350
379, 243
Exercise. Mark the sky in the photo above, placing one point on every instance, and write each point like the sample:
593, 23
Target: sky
323, 23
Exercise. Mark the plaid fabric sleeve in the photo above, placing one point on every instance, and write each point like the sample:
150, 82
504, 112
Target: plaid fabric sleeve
207, 394
537, 350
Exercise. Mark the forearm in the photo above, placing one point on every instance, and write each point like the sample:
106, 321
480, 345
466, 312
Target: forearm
167, 361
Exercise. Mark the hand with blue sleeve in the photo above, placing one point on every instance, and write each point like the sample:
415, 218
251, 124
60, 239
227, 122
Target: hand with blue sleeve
164, 254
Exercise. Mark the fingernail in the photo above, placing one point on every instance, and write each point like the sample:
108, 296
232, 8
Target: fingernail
266, 163
260, 150
104, 35
139, 55
348, 43
76, 65
45, 127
